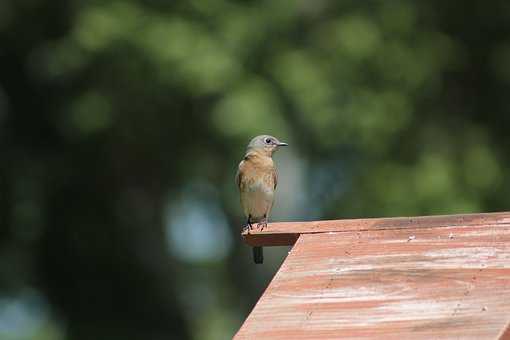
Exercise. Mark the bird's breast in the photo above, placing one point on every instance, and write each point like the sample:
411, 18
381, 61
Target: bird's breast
257, 197
260, 184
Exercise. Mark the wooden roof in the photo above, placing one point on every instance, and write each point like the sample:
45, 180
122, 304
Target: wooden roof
436, 277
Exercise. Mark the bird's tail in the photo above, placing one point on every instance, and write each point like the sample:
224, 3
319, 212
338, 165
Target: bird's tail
258, 255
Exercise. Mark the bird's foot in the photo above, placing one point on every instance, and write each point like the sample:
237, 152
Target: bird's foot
248, 226
262, 224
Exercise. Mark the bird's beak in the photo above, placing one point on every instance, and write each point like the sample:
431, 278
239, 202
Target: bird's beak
282, 144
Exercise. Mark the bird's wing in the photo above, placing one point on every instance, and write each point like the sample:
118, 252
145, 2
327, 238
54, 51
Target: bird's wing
275, 178
238, 175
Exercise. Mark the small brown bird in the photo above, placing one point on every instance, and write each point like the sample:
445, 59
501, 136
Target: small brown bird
257, 179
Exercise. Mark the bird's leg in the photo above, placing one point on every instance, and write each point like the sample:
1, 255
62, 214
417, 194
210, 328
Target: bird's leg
263, 223
248, 224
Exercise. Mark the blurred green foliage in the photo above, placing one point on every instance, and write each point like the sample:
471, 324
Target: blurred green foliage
122, 122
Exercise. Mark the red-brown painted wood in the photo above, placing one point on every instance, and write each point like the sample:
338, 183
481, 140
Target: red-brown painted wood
286, 233
420, 282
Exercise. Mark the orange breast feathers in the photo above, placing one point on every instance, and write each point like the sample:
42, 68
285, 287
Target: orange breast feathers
256, 179
255, 169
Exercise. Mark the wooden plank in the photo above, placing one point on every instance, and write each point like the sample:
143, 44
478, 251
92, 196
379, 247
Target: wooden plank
505, 335
422, 283
286, 233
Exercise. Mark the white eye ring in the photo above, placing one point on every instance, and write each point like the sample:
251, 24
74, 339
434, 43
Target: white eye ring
268, 140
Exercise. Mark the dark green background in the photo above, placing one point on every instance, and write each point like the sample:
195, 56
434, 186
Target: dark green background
122, 122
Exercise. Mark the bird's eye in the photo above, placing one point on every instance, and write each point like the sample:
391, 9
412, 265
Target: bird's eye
267, 140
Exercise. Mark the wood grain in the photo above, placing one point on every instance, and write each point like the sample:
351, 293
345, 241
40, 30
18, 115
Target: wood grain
286, 233
417, 281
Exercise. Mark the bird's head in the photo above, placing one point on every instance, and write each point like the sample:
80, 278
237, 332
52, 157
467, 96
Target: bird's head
264, 143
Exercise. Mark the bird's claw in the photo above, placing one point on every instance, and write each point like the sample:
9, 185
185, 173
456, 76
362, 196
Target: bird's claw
248, 227
262, 225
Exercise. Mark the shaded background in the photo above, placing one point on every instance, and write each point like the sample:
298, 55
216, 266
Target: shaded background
122, 123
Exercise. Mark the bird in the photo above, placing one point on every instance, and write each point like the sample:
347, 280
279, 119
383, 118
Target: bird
257, 179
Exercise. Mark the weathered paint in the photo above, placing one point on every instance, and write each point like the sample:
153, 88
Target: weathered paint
451, 281
286, 233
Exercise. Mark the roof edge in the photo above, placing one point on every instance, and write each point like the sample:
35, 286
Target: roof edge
286, 233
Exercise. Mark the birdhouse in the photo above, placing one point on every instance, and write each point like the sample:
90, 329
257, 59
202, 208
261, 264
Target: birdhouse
434, 277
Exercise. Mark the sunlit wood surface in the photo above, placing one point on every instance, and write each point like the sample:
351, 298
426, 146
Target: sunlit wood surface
442, 277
